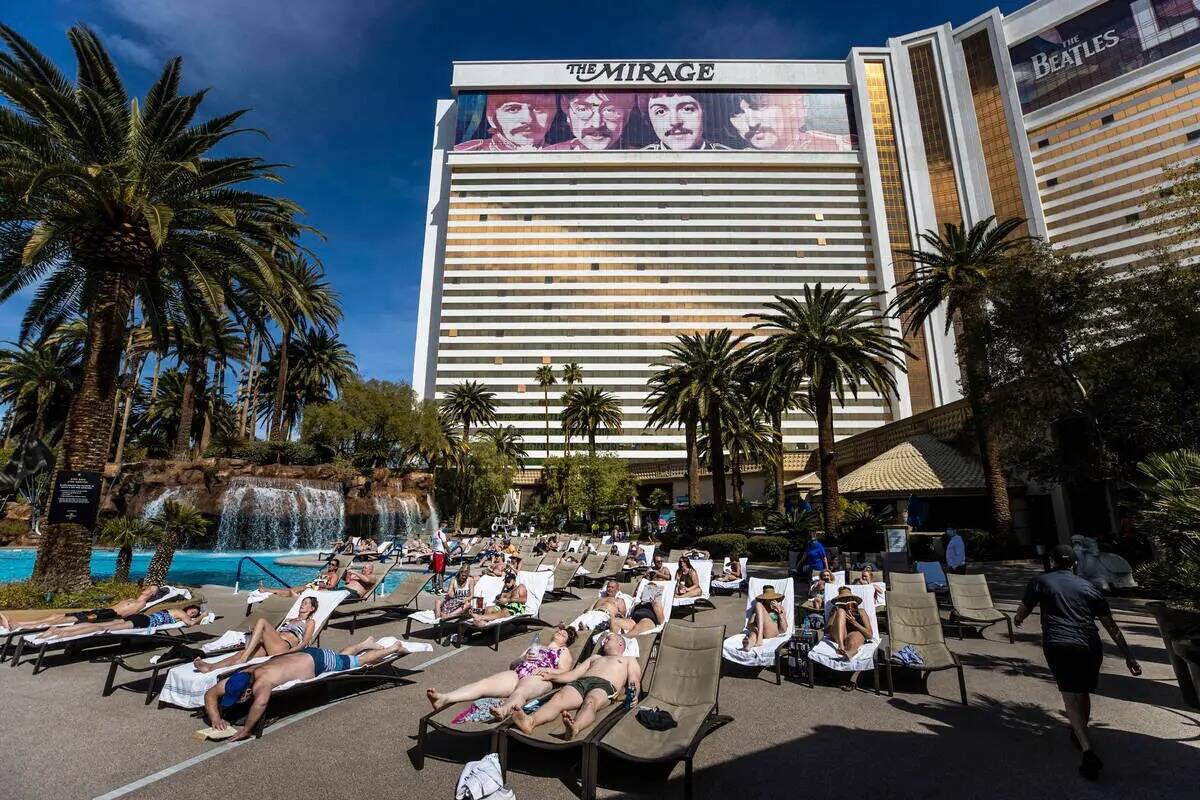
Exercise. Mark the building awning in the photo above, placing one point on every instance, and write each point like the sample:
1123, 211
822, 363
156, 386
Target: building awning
921, 465
809, 480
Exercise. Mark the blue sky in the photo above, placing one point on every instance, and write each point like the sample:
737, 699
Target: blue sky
346, 90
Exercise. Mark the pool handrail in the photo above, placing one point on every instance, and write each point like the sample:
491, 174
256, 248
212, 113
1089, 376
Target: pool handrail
237, 580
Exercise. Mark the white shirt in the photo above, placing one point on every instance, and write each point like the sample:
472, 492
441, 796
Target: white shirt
439, 541
956, 552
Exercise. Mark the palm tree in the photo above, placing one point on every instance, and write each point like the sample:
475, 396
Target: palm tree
104, 199
835, 341
749, 440
320, 364
955, 268
126, 533
469, 403
705, 376
215, 339
507, 441
544, 375
35, 376
669, 404
589, 408
775, 389
572, 374
176, 522
307, 299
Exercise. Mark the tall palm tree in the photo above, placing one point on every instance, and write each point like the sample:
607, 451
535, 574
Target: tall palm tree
103, 199
572, 374
956, 268
544, 375
705, 377
320, 364
307, 299
196, 346
587, 409
776, 389
126, 533
469, 403
834, 340
507, 441
669, 404
749, 440
35, 376
176, 522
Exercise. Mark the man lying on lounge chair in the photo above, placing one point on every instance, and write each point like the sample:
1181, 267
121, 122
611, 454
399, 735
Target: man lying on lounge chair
189, 615
510, 603
609, 605
589, 687
360, 583
254, 684
121, 610
327, 580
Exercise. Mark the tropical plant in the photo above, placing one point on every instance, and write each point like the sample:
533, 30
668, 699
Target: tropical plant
777, 389
834, 340
702, 378
955, 268
318, 365
176, 523
1171, 513
587, 409
659, 498
216, 339
544, 375
104, 199
157, 422
377, 423
469, 403
34, 377
126, 534
572, 374
507, 441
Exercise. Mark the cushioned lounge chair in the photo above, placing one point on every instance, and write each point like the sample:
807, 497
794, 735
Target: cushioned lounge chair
396, 604
971, 603
736, 586
487, 587
589, 567
913, 619
908, 582
825, 652
686, 683
704, 570
560, 586
536, 584
771, 652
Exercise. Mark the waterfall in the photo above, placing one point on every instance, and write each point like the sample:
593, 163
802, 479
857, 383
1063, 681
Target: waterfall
177, 493
280, 514
434, 523
395, 517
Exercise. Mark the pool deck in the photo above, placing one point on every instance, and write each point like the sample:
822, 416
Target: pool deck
61, 739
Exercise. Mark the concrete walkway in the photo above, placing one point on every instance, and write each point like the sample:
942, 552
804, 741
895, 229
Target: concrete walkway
60, 739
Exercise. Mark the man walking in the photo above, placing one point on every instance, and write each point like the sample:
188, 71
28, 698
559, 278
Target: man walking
815, 558
1070, 607
439, 559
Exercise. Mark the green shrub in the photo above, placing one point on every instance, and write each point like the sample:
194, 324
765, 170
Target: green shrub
22, 595
721, 545
297, 453
767, 548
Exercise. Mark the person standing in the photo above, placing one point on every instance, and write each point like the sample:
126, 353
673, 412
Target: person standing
815, 558
1070, 607
956, 552
439, 559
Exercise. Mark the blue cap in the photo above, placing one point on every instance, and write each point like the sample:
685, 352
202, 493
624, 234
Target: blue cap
235, 687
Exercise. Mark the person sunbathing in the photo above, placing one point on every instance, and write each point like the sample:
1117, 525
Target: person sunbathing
458, 595
122, 609
360, 583
588, 688
327, 579
416, 547
608, 606
265, 640
658, 569
734, 573
867, 578
495, 567
189, 615
254, 684
816, 591
646, 615
526, 678
696, 553
768, 619
849, 627
636, 558
687, 581
510, 603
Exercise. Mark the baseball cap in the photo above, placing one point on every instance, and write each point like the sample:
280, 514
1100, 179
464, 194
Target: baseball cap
1062, 555
235, 687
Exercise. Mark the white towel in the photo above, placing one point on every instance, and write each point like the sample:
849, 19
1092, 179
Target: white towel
480, 779
226, 641
256, 597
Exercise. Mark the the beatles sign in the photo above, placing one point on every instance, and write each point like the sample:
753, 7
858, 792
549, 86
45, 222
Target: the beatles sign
1100, 44
642, 71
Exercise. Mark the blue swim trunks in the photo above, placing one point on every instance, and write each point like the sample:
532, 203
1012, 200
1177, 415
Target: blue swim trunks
328, 660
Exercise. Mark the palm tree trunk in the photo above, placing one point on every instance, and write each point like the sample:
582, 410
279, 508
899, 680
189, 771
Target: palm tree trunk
119, 456
160, 564
592, 442
973, 365
777, 432
187, 410
693, 455
124, 562
716, 455
276, 434
154, 380
546, 408
64, 556
254, 391
826, 463
735, 467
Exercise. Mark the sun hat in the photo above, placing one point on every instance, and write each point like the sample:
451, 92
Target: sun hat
235, 687
846, 595
769, 594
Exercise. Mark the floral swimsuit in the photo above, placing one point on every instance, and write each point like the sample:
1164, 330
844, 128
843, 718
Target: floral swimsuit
546, 658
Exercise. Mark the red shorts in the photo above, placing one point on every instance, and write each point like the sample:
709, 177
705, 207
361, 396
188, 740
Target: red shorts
439, 562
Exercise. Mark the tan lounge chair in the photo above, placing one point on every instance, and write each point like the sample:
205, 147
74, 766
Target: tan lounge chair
913, 619
396, 604
589, 567
564, 573
971, 604
686, 684
910, 582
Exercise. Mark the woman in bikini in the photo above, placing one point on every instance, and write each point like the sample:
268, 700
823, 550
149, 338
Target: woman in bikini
458, 594
734, 573
526, 678
646, 615
292, 635
687, 582
768, 619
510, 603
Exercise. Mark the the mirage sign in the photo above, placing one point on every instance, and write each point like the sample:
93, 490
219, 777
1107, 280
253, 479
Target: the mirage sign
1101, 44
642, 71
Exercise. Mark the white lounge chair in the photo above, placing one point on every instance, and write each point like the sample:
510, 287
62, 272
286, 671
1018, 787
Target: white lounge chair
770, 652
590, 619
735, 585
825, 653
704, 569
487, 587
536, 585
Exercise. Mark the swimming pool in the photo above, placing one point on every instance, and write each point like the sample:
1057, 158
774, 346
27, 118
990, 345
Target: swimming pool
192, 567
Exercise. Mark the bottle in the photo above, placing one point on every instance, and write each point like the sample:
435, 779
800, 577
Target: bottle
536, 644
629, 696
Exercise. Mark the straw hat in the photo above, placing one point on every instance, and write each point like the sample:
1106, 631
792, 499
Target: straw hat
845, 596
769, 595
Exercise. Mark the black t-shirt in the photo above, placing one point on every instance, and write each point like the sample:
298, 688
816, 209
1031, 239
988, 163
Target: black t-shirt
1069, 606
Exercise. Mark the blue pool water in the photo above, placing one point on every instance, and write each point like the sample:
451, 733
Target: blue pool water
192, 567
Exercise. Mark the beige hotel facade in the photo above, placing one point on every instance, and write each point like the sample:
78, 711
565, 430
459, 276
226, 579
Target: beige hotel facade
591, 211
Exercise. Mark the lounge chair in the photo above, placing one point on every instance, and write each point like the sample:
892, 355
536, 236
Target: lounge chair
735, 586
704, 568
971, 603
487, 587
253, 598
907, 582
380, 575
913, 620
589, 567
443, 721
575, 545
768, 653
536, 584
549, 737
668, 589
686, 683
673, 556
839, 576
185, 687
589, 619
935, 577
825, 653
560, 586
396, 604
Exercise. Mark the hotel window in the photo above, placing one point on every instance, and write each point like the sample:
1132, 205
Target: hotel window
943, 182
